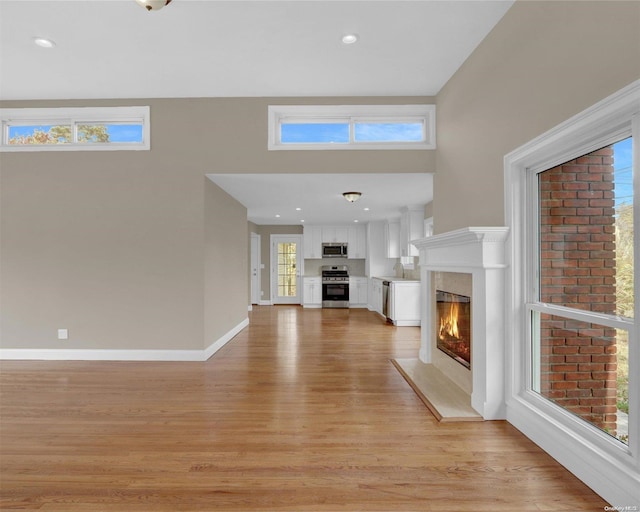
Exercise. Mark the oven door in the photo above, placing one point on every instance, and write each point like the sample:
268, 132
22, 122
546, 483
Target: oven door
335, 295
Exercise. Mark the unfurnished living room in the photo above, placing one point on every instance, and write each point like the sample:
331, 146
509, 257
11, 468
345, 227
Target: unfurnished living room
319, 255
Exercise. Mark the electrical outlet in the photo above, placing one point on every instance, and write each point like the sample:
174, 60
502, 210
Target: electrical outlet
63, 334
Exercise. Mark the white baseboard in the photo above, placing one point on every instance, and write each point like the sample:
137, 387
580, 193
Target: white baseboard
121, 355
265, 303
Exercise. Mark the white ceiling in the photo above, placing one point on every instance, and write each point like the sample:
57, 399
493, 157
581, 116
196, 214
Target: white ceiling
210, 48
319, 196
263, 48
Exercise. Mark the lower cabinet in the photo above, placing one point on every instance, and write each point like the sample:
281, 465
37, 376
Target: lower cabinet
404, 303
358, 292
375, 295
312, 292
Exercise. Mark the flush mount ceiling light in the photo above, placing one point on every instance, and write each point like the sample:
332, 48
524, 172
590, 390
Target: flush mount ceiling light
153, 5
349, 38
352, 197
43, 42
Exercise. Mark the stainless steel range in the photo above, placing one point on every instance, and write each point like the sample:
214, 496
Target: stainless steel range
335, 286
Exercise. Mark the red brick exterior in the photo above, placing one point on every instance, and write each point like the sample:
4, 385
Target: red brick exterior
577, 239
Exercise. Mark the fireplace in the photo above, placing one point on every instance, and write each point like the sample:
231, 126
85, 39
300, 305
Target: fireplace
469, 262
453, 325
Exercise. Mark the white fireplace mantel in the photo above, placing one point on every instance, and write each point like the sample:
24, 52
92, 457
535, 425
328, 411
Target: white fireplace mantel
479, 251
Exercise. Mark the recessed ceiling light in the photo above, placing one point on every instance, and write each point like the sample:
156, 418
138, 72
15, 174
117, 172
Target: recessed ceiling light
44, 42
277, 215
301, 220
298, 209
366, 209
356, 220
349, 38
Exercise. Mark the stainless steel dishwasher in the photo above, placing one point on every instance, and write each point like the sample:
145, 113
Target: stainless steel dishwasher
385, 299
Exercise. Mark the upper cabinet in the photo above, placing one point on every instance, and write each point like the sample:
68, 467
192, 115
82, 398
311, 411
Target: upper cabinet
335, 234
354, 236
411, 228
357, 242
392, 239
312, 242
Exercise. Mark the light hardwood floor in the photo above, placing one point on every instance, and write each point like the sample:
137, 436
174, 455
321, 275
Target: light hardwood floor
302, 411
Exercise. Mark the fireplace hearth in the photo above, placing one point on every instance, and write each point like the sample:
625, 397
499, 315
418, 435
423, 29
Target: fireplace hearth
453, 324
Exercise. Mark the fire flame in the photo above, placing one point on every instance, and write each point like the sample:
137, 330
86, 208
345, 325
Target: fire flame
449, 322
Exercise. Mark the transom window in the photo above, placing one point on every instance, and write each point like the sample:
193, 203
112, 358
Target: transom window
296, 127
75, 129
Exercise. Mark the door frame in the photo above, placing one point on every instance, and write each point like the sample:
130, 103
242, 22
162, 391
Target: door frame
275, 239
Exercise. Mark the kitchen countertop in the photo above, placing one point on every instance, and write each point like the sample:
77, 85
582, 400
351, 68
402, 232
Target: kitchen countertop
382, 278
397, 279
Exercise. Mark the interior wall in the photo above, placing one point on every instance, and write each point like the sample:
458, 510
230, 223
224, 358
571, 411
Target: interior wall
113, 245
226, 263
543, 63
107, 245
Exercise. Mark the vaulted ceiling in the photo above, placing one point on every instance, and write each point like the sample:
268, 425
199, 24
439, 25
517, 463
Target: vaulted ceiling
237, 48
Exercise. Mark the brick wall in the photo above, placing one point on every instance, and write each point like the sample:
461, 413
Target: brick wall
577, 238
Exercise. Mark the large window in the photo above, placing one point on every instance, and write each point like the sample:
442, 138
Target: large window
295, 127
573, 319
585, 271
75, 129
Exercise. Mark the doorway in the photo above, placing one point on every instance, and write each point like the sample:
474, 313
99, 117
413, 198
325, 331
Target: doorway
286, 269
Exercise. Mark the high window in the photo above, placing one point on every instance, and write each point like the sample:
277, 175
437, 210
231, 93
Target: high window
300, 127
75, 129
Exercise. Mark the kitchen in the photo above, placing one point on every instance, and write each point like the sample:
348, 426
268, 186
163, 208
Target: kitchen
366, 235
334, 278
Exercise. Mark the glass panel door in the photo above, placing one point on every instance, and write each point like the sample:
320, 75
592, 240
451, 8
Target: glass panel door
286, 265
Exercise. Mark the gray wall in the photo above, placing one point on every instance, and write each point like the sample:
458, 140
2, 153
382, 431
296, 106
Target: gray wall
123, 248
542, 63
137, 249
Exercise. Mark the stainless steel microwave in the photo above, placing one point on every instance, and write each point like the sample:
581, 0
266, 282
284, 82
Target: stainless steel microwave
334, 250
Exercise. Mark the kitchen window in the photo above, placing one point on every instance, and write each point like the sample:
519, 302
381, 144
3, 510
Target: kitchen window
305, 127
75, 129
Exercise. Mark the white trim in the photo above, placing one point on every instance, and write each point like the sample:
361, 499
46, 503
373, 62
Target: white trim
121, 355
352, 114
73, 116
606, 465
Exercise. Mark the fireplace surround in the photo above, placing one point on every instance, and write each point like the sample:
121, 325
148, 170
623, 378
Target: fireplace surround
475, 256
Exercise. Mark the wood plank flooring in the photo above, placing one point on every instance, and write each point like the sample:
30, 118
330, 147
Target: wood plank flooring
302, 411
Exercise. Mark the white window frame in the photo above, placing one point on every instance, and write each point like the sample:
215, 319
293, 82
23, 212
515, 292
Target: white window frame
608, 466
352, 114
76, 116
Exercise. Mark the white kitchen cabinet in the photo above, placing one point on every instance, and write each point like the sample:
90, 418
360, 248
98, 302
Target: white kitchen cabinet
312, 242
404, 303
358, 292
357, 240
392, 239
335, 234
312, 292
411, 228
375, 295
